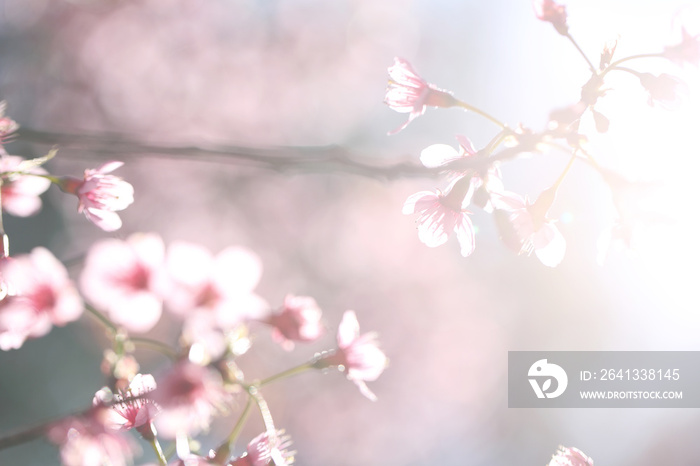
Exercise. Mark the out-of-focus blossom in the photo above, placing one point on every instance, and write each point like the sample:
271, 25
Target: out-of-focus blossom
263, 450
133, 408
88, 441
408, 93
441, 214
485, 177
40, 295
526, 228
299, 320
570, 457
20, 193
7, 127
189, 395
123, 279
101, 195
687, 51
663, 89
221, 285
552, 12
357, 355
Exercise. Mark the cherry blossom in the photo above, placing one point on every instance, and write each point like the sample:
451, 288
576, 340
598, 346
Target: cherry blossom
40, 295
687, 51
132, 408
442, 213
357, 355
299, 320
570, 457
189, 395
407, 92
123, 278
526, 227
20, 193
101, 195
88, 441
552, 12
221, 285
485, 177
663, 89
262, 450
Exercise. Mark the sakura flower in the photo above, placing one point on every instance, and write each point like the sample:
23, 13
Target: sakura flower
663, 89
101, 195
263, 450
40, 295
132, 408
570, 457
87, 441
524, 226
485, 177
409, 93
552, 12
123, 278
299, 320
441, 214
687, 51
357, 355
221, 285
20, 193
189, 395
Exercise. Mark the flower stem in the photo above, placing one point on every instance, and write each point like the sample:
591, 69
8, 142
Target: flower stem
288, 373
615, 64
159, 451
156, 345
111, 326
224, 450
566, 170
585, 57
471, 108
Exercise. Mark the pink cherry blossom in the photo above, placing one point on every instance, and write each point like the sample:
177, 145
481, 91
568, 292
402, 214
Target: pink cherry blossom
132, 408
101, 195
189, 395
687, 51
570, 457
409, 93
263, 450
663, 89
20, 193
87, 441
357, 355
552, 12
221, 285
299, 320
441, 214
484, 179
526, 227
123, 278
40, 295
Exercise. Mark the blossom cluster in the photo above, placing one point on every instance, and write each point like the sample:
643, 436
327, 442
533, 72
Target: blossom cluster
129, 285
473, 176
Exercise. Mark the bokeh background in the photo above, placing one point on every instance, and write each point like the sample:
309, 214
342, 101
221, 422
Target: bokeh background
272, 74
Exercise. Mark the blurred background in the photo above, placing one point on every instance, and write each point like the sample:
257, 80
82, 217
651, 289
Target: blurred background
271, 74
